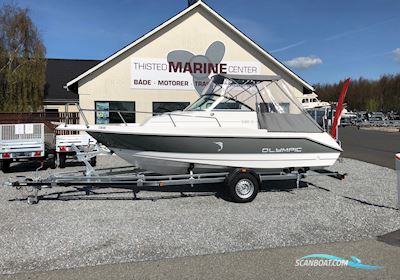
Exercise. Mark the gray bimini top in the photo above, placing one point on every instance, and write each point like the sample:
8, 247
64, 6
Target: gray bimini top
247, 79
278, 110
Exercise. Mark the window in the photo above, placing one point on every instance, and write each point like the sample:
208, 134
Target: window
163, 107
232, 104
203, 102
226, 103
103, 116
270, 107
52, 114
51, 111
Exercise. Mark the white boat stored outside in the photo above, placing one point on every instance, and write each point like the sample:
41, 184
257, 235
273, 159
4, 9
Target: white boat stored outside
239, 121
311, 101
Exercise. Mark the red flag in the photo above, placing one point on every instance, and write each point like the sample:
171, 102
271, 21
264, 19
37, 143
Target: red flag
339, 108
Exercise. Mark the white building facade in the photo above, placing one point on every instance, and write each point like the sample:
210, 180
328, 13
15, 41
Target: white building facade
167, 68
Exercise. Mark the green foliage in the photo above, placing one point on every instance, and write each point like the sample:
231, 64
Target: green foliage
363, 94
372, 105
22, 62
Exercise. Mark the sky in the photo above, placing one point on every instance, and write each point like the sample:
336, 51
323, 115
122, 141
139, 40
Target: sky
323, 41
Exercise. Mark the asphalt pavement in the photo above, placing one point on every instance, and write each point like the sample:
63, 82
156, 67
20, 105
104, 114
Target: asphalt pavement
279, 263
373, 146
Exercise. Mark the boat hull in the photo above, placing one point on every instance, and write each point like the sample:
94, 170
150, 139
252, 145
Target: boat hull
179, 163
175, 154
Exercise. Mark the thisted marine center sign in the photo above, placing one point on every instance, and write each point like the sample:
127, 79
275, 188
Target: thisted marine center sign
182, 70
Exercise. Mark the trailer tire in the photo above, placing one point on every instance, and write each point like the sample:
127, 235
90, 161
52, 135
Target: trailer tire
243, 186
5, 166
93, 161
62, 158
52, 163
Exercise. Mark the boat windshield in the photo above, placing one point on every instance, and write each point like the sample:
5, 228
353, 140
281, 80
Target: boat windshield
216, 102
269, 97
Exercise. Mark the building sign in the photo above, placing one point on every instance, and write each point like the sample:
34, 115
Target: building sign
182, 70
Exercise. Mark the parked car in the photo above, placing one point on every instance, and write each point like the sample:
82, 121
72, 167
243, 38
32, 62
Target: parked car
394, 116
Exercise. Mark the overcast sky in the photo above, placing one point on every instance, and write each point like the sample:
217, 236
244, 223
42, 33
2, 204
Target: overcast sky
322, 41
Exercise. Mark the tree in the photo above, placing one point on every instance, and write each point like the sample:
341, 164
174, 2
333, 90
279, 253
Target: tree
363, 94
22, 62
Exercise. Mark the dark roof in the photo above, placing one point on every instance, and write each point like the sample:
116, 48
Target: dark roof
58, 73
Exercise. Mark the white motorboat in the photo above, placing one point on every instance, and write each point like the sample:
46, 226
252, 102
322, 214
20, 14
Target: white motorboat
311, 101
251, 122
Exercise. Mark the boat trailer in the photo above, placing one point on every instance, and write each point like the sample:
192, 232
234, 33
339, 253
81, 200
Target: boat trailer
242, 184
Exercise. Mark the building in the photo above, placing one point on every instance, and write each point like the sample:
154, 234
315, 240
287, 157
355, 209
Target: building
58, 73
167, 68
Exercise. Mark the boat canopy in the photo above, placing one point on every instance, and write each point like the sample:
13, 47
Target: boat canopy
241, 79
269, 96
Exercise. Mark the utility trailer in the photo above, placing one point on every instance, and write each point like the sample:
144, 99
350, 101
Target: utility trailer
64, 150
23, 142
241, 184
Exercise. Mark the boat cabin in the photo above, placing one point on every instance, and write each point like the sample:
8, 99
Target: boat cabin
258, 102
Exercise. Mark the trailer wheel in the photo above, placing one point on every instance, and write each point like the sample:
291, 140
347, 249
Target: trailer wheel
52, 163
5, 166
62, 158
93, 161
243, 186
